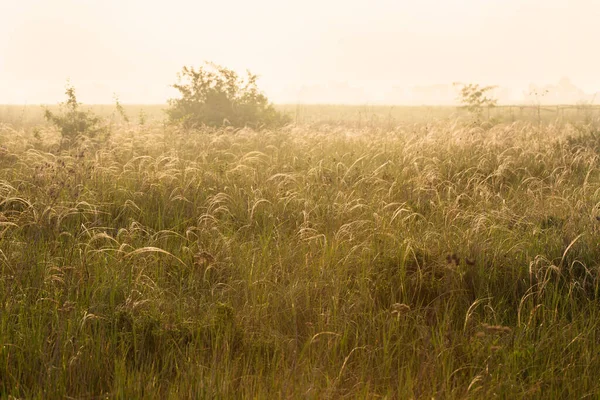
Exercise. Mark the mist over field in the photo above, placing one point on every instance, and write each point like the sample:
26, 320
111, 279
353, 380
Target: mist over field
316, 200
357, 52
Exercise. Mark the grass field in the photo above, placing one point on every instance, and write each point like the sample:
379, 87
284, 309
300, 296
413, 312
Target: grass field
28, 117
434, 259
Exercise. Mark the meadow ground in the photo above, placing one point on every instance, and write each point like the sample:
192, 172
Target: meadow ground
437, 259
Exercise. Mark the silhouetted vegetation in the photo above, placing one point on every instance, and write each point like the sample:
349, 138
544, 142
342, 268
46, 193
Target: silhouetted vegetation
75, 125
475, 98
215, 96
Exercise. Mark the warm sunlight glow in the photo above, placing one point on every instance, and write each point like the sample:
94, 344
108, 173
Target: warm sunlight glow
351, 51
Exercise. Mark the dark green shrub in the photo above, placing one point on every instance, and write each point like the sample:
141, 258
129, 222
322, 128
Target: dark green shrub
216, 96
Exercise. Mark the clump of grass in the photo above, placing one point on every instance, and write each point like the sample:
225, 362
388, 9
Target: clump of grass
437, 260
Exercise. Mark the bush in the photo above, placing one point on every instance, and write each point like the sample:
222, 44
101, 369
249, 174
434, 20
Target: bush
216, 96
74, 124
475, 98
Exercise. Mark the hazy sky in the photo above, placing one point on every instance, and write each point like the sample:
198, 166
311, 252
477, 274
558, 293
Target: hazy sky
135, 48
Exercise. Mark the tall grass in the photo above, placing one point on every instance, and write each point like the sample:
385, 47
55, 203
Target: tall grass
429, 260
28, 117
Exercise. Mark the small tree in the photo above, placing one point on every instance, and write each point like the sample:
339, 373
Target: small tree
73, 123
216, 96
475, 98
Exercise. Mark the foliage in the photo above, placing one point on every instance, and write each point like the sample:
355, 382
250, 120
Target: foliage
322, 262
74, 124
475, 98
142, 117
119, 109
215, 96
